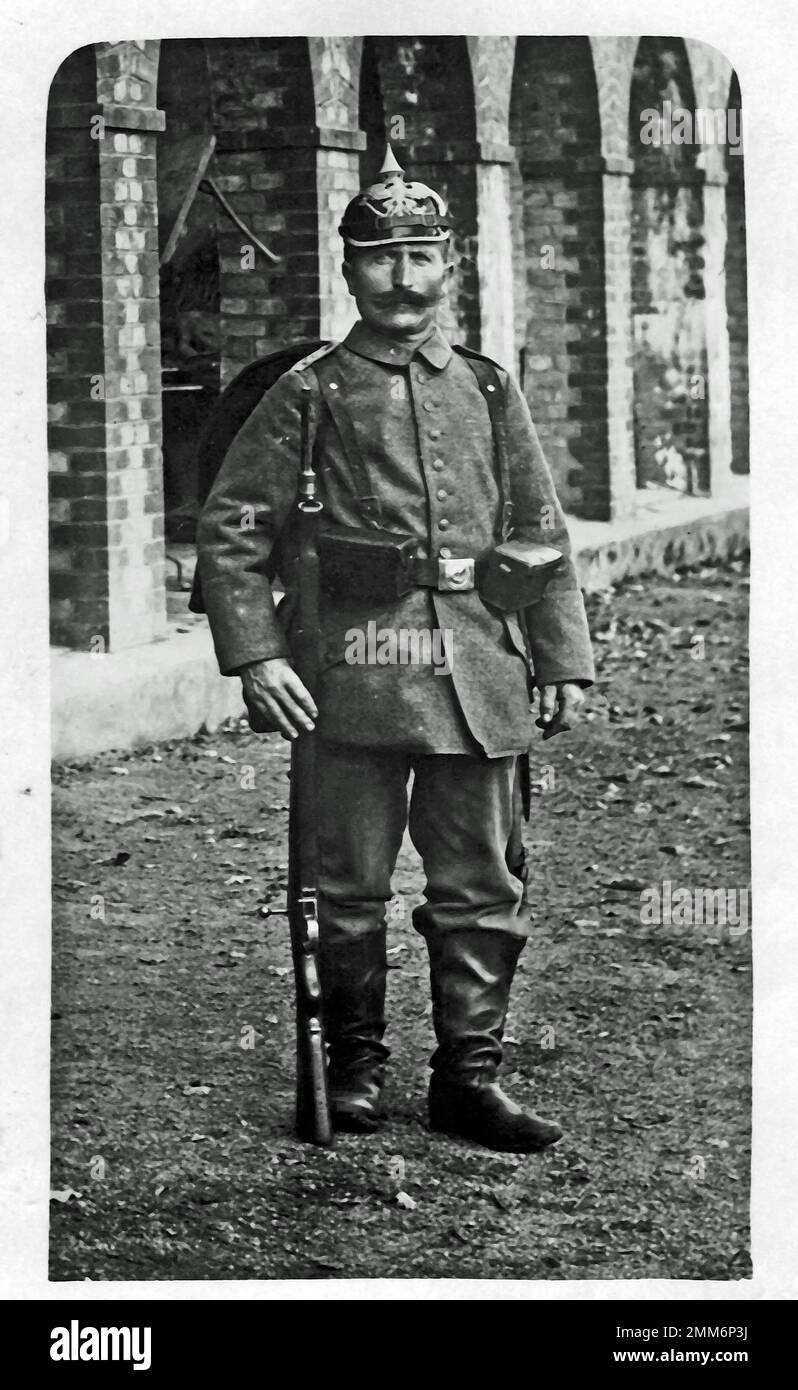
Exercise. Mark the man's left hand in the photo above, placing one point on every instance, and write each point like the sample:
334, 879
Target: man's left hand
559, 707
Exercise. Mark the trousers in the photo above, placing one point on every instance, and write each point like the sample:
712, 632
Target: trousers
459, 812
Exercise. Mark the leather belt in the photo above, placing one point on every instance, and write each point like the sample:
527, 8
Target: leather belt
451, 575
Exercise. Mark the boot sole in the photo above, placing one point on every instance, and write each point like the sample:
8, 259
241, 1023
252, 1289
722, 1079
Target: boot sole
497, 1145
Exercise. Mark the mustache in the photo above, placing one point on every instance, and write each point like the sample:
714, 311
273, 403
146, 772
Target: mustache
397, 299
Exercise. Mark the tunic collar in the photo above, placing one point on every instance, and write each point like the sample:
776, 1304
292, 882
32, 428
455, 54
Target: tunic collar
367, 342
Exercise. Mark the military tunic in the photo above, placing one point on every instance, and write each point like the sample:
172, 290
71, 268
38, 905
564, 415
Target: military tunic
425, 434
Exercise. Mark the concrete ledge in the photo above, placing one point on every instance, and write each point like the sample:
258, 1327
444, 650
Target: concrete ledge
665, 532
171, 689
163, 690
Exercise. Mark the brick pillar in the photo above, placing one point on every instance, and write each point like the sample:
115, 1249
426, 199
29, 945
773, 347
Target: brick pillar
717, 333
617, 202
107, 562
337, 182
495, 254
562, 327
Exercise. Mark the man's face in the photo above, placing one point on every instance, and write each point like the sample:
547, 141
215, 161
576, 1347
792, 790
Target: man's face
398, 288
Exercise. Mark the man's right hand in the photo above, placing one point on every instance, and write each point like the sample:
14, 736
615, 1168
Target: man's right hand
276, 699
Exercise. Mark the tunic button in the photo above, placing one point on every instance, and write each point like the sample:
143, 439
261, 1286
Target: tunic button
445, 553
443, 524
441, 494
429, 405
434, 434
437, 464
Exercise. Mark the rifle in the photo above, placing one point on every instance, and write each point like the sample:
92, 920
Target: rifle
312, 1100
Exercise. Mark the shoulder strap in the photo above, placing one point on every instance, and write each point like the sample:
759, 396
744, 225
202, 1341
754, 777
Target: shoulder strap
368, 503
489, 381
313, 357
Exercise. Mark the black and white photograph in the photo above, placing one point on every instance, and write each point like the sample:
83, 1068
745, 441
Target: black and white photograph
397, 549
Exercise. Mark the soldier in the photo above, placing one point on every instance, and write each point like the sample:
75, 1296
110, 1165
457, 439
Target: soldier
407, 441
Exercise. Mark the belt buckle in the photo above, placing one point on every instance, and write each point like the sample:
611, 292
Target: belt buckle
454, 575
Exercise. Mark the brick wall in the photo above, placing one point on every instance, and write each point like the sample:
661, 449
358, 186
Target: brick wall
667, 239
190, 280
264, 119
422, 88
559, 247
107, 560
737, 297
79, 534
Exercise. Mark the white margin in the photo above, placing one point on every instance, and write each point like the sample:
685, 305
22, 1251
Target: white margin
761, 43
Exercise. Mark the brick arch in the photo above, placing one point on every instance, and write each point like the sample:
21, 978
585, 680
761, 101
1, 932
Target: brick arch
711, 73
668, 312
420, 91
492, 61
335, 64
558, 236
737, 292
613, 63
128, 72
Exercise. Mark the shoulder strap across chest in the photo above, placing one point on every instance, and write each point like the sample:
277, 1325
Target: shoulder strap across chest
489, 381
368, 503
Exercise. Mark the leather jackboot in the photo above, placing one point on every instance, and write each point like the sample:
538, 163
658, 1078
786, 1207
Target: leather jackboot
471, 973
352, 976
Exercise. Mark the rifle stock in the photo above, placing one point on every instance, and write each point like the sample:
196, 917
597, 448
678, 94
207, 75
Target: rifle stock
312, 1106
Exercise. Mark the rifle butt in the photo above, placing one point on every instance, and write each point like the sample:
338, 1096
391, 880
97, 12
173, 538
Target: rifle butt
313, 1123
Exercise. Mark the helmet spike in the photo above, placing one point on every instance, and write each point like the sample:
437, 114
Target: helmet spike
390, 165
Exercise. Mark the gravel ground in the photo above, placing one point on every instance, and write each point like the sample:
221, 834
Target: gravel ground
172, 1085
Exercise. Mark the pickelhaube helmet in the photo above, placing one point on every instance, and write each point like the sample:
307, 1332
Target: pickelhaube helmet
392, 210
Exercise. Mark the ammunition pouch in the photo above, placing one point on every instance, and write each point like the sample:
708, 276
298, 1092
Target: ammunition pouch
367, 565
514, 575
373, 566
